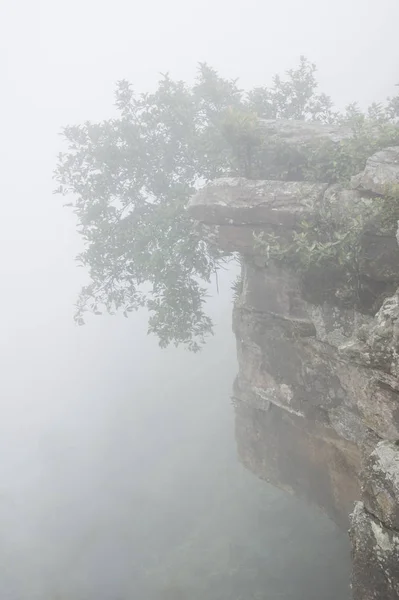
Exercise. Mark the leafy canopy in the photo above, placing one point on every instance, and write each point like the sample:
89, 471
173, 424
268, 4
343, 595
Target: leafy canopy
130, 178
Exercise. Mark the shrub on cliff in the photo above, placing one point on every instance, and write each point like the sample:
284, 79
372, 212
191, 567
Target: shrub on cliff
128, 180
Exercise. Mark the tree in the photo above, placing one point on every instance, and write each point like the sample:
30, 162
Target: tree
295, 97
130, 179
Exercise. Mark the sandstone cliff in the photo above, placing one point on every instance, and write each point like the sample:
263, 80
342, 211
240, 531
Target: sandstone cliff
317, 393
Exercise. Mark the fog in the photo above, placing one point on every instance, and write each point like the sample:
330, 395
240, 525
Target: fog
118, 474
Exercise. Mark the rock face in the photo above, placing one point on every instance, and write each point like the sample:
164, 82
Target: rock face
380, 487
382, 169
375, 527
317, 392
375, 552
297, 133
239, 201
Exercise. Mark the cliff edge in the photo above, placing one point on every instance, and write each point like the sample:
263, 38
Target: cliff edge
316, 319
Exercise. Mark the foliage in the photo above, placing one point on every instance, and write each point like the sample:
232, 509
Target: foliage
320, 247
295, 97
331, 243
337, 163
131, 178
128, 180
390, 208
238, 283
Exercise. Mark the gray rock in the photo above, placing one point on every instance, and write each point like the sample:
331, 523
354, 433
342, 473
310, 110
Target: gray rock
274, 291
294, 454
318, 353
380, 489
382, 170
336, 326
379, 255
378, 344
372, 395
279, 363
340, 203
239, 201
375, 555
349, 425
296, 133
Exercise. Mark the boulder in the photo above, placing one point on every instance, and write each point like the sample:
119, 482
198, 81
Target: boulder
381, 171
380, 489
375, 556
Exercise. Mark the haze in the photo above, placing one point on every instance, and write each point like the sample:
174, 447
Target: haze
118, 477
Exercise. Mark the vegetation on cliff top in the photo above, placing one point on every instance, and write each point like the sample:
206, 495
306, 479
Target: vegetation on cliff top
128, 180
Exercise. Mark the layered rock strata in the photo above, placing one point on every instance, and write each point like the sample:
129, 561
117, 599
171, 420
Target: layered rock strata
317, 392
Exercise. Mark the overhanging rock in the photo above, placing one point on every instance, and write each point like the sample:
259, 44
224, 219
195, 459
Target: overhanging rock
239, 201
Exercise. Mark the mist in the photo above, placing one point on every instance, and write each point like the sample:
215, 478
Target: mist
119, 478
